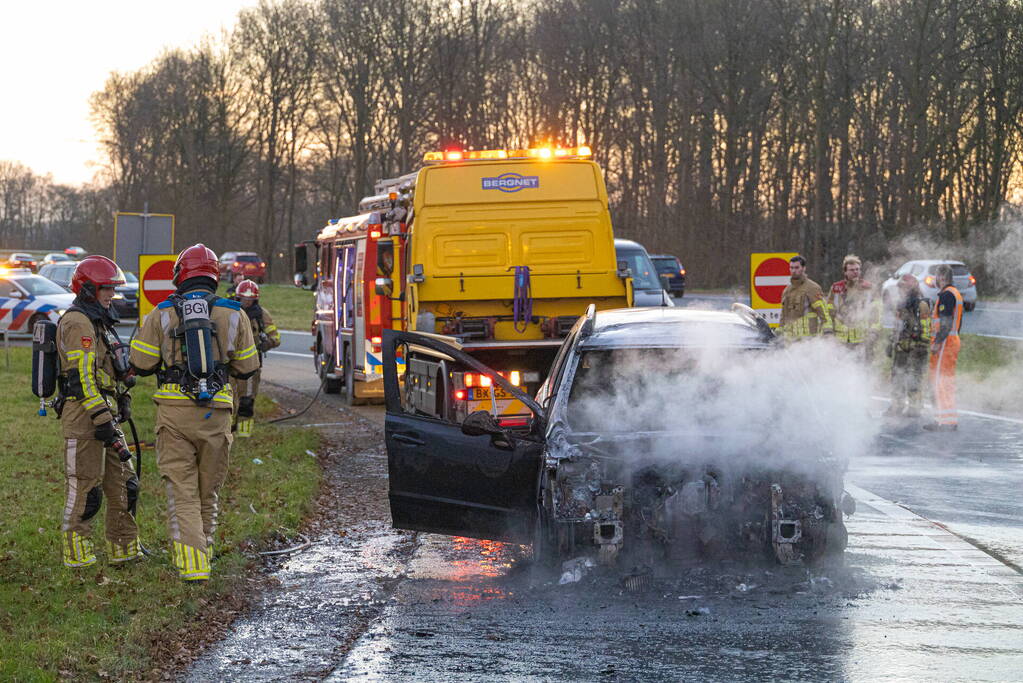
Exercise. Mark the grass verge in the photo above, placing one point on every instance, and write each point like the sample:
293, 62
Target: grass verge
105, 621
290, 306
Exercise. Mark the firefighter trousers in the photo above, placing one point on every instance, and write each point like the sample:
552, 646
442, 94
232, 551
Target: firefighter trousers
908, 368
192, 449
943, 380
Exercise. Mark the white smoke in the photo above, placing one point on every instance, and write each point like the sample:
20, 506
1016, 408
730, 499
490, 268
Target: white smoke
777, 405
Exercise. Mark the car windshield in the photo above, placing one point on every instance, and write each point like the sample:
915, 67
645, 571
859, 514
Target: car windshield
636, 390
665, 265
247, 258
644, 276
958, 270
39, 286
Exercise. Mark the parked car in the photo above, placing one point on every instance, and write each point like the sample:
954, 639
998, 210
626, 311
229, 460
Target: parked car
248, 263
59, 272
26, 298
594, 474
20, 259
77, 253
56, 257
672, 273
924, 271
646, 285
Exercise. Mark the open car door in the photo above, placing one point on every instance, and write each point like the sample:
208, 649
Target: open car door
447, 481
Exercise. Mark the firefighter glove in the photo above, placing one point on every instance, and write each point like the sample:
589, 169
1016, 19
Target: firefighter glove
246, 406
124, 407
106, 432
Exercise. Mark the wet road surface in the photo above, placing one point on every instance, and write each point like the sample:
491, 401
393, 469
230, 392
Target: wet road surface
913, 600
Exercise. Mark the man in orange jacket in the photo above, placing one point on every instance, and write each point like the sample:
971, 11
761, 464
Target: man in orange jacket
946, 320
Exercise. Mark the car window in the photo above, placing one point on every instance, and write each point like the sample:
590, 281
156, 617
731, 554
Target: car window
39, 286
5, 288
664, 265
644, 275
248, 258
916, 270
960, 270
227, 256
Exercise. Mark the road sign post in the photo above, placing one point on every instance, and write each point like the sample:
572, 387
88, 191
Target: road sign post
768, 277
156, 273
141, 233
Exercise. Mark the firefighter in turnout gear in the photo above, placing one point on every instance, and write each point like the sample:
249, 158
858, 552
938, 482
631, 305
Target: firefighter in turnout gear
193, 341
93, 366
946, 321
267, 337
855, 310
804, 313
908, 348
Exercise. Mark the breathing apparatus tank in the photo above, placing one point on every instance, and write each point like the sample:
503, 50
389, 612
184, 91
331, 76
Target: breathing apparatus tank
197, 330
44, 362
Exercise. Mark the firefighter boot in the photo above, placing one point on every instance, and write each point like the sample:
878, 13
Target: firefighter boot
193, 564
119, 553
244, 430
78, 551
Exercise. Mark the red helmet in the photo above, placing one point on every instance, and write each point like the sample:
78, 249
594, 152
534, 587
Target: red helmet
196, 261
247, 289
98, 271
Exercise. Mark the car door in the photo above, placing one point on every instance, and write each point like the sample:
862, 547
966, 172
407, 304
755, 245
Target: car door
442, 480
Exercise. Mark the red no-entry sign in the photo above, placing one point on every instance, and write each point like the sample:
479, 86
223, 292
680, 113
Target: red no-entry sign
156, 272
768, 275
770, 279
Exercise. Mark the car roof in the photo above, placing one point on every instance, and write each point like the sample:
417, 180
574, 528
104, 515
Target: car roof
663, 256
663, 327
628, 244
931, 262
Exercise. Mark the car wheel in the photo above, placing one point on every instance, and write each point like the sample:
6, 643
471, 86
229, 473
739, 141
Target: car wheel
324, 364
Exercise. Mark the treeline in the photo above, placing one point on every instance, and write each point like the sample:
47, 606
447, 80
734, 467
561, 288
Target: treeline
37, 213
723, 126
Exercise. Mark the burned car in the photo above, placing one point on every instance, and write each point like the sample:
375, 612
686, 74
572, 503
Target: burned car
661, 435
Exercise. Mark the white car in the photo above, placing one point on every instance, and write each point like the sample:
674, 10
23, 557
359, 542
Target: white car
924, 271
26, 298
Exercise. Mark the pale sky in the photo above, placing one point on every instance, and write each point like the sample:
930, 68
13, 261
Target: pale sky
55, 53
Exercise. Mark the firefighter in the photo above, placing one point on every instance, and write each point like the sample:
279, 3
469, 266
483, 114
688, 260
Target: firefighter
804, 313
908, 348
193, 341
855, 310
236, 279
946, 320
92, 365
265, 333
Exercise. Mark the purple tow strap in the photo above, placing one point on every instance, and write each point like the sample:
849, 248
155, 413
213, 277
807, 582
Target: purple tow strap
523, 306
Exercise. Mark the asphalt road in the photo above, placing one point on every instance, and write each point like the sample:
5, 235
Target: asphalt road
930, 588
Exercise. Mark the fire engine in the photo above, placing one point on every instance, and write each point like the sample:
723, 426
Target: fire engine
351, 312
499, 251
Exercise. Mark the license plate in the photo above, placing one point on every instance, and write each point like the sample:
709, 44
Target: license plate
483, 394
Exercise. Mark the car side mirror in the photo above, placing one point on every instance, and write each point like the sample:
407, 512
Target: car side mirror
623, 270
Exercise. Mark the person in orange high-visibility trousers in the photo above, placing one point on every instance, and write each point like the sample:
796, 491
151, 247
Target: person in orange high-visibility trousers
947, 318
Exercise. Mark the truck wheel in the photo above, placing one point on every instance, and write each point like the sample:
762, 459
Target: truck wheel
324, 364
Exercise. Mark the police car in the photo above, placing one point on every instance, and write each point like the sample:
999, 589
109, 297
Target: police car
26, 298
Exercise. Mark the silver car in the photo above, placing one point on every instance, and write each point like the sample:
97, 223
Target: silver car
646, 283
924, 271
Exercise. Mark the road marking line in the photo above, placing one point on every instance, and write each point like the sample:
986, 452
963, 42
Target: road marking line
972, 413
289, 353
943, 537
996, 336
